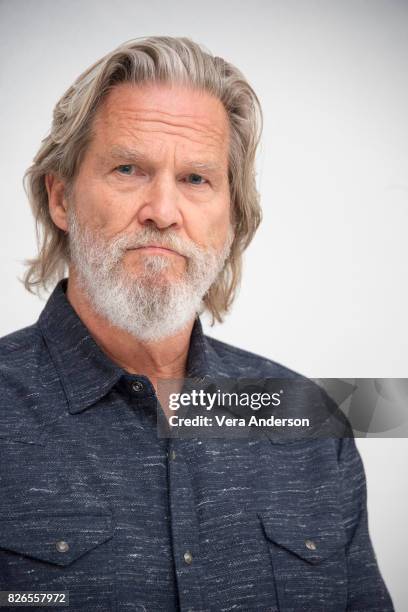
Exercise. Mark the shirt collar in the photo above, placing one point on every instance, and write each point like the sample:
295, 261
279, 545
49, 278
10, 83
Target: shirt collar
87, 374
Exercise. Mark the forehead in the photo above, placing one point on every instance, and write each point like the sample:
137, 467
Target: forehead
159, 115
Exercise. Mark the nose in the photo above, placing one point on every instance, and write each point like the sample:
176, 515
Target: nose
161, 204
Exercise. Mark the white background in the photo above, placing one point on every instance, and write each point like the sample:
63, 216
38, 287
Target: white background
325, 288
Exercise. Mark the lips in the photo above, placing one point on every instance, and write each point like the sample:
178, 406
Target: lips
156, 247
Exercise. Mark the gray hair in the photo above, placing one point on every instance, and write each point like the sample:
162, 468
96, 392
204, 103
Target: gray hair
154, 59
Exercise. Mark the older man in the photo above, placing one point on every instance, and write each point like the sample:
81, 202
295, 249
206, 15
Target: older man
145, 190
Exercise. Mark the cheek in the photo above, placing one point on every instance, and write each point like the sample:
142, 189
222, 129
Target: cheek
87, 197
219, 226
103, 209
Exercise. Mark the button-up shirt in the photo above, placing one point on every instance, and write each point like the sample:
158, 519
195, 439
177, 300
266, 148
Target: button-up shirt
93, 502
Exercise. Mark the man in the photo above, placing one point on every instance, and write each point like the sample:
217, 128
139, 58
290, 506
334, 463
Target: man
145, 189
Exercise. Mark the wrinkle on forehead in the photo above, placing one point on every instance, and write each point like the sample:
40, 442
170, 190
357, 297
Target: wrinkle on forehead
190, 114
157, 121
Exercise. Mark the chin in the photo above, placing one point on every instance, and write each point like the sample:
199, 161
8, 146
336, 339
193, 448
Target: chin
151, 274
156, 279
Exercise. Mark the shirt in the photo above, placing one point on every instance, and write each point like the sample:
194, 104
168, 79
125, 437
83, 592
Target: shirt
93, 502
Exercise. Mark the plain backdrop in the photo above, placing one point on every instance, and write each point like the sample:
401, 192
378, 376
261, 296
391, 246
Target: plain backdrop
324, 288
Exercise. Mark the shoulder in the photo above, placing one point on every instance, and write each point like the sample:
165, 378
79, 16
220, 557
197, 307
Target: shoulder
20, 353
240, 362
21, 361
304, 397
20, 341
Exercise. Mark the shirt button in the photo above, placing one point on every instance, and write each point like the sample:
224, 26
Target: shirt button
310, 545
62, 546
172, 455
188, 557
137, 386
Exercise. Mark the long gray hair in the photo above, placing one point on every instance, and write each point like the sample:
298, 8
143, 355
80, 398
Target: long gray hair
153, 59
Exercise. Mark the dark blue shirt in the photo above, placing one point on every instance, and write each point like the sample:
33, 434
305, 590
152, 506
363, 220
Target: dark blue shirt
94, 502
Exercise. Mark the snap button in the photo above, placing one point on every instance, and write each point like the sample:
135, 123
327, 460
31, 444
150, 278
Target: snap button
188, 557
137, 386
310, 545
62, 546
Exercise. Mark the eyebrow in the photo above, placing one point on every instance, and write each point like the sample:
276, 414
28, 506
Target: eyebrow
120, 153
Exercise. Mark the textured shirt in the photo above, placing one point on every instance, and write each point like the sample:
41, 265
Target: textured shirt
94, 502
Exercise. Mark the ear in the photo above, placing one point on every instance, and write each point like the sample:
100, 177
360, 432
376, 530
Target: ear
57, 202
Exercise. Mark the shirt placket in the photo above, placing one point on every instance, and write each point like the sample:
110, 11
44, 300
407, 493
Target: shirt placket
184, 528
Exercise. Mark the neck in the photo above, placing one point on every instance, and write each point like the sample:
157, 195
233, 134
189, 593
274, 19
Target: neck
165, 358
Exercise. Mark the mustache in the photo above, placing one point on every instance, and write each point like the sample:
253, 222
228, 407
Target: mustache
167, 240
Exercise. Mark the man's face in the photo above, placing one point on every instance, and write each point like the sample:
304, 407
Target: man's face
150, 213
158, 159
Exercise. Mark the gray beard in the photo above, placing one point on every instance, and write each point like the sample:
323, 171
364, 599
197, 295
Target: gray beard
149, 306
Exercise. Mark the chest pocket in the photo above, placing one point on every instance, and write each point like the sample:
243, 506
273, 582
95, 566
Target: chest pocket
308, 560
64, 552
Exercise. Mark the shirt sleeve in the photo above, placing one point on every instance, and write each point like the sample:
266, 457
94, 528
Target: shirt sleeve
366, 588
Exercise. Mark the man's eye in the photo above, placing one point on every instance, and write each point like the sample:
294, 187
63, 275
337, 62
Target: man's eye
126, 169
196, 179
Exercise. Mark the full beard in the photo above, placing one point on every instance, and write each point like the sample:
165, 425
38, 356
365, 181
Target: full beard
147, 304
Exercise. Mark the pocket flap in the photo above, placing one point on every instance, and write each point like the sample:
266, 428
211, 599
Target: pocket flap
56, 539
312, 538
